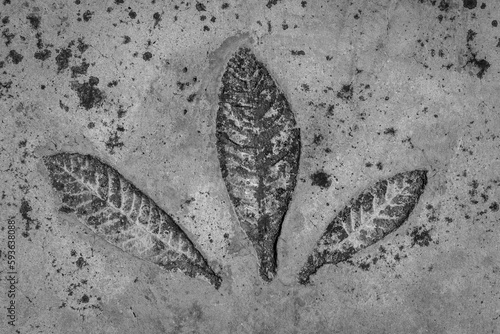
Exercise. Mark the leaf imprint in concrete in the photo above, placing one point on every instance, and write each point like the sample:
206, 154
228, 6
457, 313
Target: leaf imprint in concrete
122, 215
258, 145
371, 216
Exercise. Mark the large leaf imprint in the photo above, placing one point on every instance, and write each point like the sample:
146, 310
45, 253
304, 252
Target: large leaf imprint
378, 211
122, 215
258, 145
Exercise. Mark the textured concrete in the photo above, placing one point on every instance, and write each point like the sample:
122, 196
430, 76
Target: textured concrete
377, 87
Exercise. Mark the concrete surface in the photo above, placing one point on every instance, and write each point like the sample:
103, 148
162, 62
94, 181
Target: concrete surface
377, 87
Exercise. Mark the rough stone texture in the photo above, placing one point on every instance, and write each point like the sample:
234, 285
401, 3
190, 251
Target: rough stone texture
377, 88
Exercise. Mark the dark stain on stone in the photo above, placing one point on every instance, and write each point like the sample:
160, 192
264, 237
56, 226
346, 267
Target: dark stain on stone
5, 87
119, 2
25, 210
471, 34
482, 64
43, 55
87, 15
345, 93
321, 179
191, 97
364, 266
8, 36
132, 14
80, 263
15, 56
63, 106
494, 207
271, 3
444, 5
225, 5
157, 18
113, 142
200, 7
147, 56
113, 83
470, 4
90, 96
126, 39
390, 131
5, 20
82, 46
297, 53
62, 59
39, 42
494, 23
79, 70
420, 236
317, 139
85, 299
34, 20
379, 166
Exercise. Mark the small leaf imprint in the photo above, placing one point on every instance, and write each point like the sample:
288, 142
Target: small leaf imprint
378, 211
122, 215
258, 145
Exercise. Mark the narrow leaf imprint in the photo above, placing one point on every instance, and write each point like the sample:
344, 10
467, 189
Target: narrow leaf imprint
258, 146
378, 211
122, 215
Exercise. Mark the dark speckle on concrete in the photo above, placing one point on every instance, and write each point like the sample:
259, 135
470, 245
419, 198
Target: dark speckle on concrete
321, 179
43, 55
15, 56
34, 21
147, 56
82, 46
157, 18
470, 4
471, 34
200, 7
420, 236
80, 263
390, 131
132, 14
84, 299
482, 64
297, 53
79, 70
126, 39
62, 59
271, 3
317, 139
25, 210
114, 142
87, 15
90, 96
345, 93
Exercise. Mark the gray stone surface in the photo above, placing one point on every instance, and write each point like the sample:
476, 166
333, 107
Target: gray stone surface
377, 87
